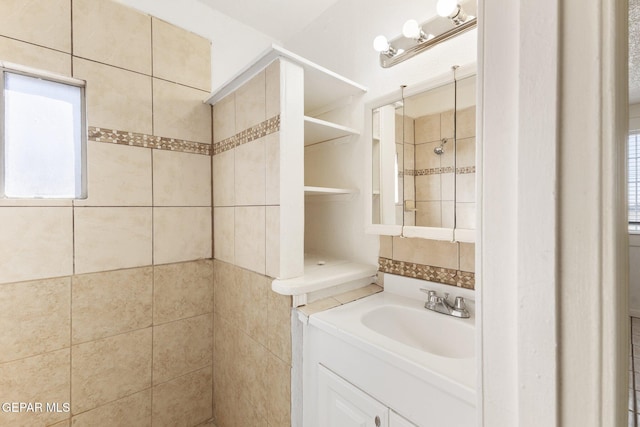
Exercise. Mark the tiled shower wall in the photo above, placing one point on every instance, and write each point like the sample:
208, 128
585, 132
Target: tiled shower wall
428, 179
252, 337
107, 303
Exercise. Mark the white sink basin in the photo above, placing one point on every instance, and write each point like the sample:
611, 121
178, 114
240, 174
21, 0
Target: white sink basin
423, 330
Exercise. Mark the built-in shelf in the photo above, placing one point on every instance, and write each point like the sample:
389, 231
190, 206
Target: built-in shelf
322, 273
316, 130
326, 191
322, 87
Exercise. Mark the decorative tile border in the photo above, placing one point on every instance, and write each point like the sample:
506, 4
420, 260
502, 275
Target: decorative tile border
437, 171
446, 276
258, 131
147, 141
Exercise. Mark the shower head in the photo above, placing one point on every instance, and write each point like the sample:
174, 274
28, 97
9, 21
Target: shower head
440, 148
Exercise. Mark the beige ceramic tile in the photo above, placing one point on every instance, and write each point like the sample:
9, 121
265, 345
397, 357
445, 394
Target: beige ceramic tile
251, 373
425, 158
409, 218
179, 112
227, 301
35, 317
45, 23
272, 77
134, 410
224, 118
110, 303
250, 173
117, 175
43, 378
409, 130
466, 123
184, 401
466, 187
386, 247
181, 234
223, 165
180, 56
181, 179
428, 187
447, 214
448, 157
181, 347
65, 423
427, 128
408, 186
116, 99
408, 157
320, 305
423, 251
251, 103
253, 293
279, 377
94, 37
224, 235
448, 185
30, 55
272, 248
466, 215
357, 294
279, 331
466, 152
429, 214
35, 243
398, 128
112, 238
446, 124
110, 368
182, 290
272, 181
468, 257
250, 238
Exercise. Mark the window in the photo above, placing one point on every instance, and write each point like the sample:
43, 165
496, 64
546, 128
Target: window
634, 181
44, 135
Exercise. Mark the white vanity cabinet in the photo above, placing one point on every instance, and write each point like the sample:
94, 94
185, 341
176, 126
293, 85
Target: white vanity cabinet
341, 404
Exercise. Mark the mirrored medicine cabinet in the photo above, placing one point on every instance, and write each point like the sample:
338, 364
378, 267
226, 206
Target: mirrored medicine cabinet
422, 160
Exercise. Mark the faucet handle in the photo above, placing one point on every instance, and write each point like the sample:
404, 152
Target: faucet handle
459, 304
429, 292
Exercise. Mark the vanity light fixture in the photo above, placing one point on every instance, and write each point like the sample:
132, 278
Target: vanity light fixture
412, 30
452, 10
382, 45
450, 21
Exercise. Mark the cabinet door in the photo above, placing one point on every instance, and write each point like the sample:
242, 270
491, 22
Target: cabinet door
396, 420
341, 404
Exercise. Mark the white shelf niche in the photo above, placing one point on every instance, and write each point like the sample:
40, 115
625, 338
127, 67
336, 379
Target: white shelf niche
326, 191
316, 131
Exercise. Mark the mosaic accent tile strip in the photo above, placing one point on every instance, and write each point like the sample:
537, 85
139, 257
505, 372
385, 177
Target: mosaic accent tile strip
258, 131
437, 171
147, 141
447, 276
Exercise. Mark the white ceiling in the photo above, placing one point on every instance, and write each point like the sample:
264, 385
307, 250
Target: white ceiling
279, 19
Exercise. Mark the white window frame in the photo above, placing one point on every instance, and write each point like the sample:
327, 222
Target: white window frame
634, 226
6, 67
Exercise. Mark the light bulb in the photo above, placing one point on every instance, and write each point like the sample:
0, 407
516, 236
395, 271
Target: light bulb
411, 29
446, 8
381, 44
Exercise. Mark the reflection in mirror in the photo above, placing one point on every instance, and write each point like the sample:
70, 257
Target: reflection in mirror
424, 162
429, 177
388, 160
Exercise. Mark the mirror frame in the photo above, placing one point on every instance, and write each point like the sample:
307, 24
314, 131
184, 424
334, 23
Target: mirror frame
434, 233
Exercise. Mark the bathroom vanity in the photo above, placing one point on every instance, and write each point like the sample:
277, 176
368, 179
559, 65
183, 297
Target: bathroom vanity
385, 360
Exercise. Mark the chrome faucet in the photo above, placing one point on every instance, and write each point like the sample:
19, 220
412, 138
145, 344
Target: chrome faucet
442, 304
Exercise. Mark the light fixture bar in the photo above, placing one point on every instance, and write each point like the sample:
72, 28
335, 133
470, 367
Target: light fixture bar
386, 61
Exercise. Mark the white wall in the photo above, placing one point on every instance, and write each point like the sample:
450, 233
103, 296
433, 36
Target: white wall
234, 45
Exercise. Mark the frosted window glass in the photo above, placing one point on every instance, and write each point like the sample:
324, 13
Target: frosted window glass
42, 138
